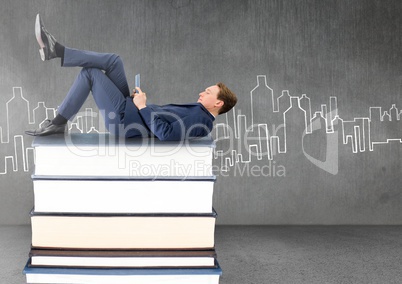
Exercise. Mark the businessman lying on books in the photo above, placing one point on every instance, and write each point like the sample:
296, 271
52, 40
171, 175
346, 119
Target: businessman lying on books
124, 114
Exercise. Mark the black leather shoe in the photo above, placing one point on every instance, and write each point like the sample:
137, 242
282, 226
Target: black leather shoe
46, 41
48, 128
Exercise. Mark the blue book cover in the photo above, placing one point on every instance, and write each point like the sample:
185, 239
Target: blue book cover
122, 271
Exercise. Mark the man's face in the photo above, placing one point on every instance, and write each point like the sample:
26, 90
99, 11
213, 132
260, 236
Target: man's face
209, 98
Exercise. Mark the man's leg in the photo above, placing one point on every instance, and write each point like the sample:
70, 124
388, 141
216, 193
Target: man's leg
109, 89
110, 101
109, 62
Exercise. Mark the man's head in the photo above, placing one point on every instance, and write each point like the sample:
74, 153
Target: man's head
217, 99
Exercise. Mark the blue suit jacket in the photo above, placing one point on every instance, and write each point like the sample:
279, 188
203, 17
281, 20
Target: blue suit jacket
169, 122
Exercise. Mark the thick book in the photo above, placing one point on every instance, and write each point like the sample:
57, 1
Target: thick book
106, 155
116, 258
123, 231
123, 195
122, 275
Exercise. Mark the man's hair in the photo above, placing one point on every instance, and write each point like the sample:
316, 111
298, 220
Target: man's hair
227, 96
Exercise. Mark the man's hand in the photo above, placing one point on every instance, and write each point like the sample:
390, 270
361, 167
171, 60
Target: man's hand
140, 98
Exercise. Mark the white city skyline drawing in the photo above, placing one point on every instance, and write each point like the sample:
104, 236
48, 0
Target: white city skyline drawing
271, 138
355, 133
22, 155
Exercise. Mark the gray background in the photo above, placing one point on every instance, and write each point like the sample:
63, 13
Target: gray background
349, 50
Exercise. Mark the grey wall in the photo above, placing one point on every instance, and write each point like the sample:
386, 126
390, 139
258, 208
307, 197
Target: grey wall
331, 156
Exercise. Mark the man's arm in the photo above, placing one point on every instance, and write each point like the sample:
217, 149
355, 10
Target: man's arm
178, 128
161, 128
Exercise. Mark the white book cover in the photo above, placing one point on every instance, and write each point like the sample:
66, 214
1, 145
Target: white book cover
122, 258
123, 231
64, 195
106, 155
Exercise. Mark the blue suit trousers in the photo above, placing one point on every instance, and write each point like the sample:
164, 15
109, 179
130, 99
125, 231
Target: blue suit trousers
102, 74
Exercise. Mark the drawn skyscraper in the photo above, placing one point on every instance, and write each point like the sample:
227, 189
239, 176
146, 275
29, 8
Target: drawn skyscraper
17, 118
18, 115
283, 105
39, 114
262, 103
394, 113
314, 143
333, 111
295, 126
305, 104
337, 129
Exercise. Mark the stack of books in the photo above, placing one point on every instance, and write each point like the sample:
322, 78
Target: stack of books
110, 210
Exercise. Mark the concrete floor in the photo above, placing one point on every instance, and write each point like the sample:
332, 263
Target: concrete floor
271, 254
